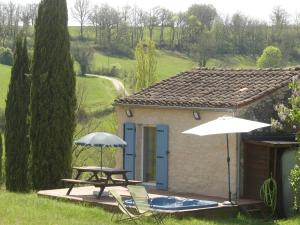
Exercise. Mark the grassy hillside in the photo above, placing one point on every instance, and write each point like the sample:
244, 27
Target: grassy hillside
4, 82
168, 63
232, 62
101, 93
27, 209
98, 93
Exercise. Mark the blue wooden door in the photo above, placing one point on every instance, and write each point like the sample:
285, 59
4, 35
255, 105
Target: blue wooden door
129, 157
162, 150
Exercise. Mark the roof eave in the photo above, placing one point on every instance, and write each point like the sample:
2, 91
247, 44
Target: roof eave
215, 109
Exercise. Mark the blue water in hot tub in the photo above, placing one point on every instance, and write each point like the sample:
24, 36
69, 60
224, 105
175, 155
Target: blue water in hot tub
175, 203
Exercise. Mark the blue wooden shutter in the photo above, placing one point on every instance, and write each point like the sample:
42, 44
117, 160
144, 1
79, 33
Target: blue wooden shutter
162, 150
129, 158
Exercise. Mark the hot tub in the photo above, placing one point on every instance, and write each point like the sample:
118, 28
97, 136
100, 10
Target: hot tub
175, 203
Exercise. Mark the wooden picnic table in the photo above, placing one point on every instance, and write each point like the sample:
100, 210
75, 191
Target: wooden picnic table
99, 181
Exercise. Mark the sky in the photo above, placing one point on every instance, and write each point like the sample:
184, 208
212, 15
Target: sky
259, 9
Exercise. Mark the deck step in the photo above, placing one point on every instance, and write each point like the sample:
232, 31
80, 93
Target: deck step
257, 210
253, 210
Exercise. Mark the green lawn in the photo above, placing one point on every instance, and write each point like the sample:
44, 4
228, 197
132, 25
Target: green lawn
28, 209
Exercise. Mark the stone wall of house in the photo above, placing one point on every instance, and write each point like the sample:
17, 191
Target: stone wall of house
263, 109
196, 164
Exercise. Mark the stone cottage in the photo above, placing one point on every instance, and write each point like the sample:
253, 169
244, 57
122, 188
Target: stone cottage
153, 119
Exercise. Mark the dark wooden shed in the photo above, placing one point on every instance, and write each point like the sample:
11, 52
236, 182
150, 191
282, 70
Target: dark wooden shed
261, 160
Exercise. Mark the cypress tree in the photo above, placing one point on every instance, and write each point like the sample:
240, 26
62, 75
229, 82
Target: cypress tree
17, 146
53, 99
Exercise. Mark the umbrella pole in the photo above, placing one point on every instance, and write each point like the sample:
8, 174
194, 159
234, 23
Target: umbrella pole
101, 157
101, 160
228, 166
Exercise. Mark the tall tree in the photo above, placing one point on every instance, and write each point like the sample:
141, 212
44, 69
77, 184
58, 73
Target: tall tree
27, 16
33, 8
12, 19
181, 24
203, 49
152, 21
17, 145
238, 28
146, 64
164, 19
81, 13
279, 18
53, 98
94, 20
206, 14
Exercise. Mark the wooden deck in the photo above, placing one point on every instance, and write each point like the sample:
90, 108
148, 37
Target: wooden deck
87, 195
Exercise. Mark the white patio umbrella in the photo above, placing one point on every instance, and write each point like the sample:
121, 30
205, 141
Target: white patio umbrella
226, 125
101, 139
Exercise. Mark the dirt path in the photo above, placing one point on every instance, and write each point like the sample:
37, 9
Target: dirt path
119, 86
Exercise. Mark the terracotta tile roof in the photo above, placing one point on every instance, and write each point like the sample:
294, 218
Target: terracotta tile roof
215, 88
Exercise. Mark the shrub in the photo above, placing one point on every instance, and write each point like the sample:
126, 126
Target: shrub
6, 56
268, 193
83, 55
122, 50
82, 115
271, 57
295, 54
116, 49
289, 120
295, 183
114, 71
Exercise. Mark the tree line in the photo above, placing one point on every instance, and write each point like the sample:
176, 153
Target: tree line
13, 18
199, 32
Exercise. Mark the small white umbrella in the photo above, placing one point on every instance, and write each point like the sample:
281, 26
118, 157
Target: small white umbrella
226, 125
101, 139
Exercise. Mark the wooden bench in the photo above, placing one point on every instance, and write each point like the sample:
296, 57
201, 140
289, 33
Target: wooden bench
102, 183
130, 182
90, 182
